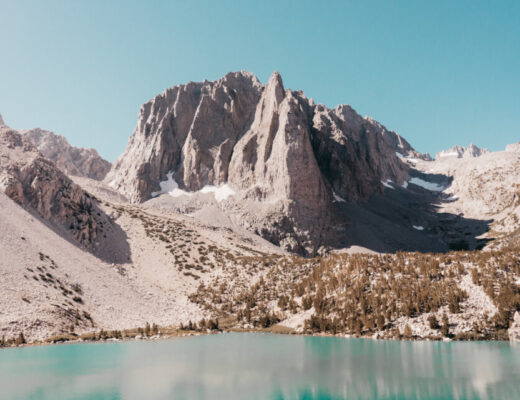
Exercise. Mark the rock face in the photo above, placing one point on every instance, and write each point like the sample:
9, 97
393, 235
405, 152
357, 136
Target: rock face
286, 159
462, 152
190, 129
514, 329
71, 160
513, 148
399, 144
34, 182
2, 123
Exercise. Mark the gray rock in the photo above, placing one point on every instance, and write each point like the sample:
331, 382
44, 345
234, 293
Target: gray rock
462, 152
74, 161
513, 148
287, 159
514, 329
398, 143
190, 129
34, 181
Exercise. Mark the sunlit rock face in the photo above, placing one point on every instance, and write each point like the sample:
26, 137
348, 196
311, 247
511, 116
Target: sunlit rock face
462, 152
71, 160
286, 159
34, 182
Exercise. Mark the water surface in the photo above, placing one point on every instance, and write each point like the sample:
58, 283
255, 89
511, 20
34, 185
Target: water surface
262, 366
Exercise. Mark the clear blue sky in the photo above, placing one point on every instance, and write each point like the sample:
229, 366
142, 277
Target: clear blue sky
438, 72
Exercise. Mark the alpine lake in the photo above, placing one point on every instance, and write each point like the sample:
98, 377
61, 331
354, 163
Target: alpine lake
262, 366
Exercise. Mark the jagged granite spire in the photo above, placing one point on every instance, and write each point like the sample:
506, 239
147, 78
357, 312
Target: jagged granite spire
286, 158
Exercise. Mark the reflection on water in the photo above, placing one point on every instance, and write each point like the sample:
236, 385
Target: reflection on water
256, 366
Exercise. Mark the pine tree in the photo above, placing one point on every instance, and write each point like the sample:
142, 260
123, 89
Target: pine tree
407, 333
434, 323
445, 329
380, 322
20, 339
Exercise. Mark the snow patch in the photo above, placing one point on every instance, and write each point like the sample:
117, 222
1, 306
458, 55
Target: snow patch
448, 154
337, 199
387, 183
221, 192
167, 186
418, 227
404, 185
434, 187
171, 187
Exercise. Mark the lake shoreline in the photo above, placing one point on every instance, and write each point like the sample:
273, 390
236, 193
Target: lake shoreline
176, 333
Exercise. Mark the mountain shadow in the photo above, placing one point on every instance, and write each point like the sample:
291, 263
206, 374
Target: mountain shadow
407, 218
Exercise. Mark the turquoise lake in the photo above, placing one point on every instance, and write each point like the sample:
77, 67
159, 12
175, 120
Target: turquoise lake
262, 366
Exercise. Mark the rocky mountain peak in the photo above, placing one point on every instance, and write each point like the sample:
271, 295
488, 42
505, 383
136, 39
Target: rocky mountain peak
402, 148
513, 148
71, 160
275, 87
284, 158
462, 152
1, 121
34, 182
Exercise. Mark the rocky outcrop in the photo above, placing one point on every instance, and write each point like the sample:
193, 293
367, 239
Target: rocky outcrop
353, 153
462, 152
400, 145
34, 181
513, 148
72, 160
2, 123
274, 163
190, 129
286, 159
514, 329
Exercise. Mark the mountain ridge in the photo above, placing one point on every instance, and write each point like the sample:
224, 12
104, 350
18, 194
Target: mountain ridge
229, 180
283, 155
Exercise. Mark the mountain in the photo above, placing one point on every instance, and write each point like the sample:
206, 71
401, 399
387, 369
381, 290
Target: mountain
72, 160
402, 148
484, 187
35, 183
462, 152
227, 180
284, 160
